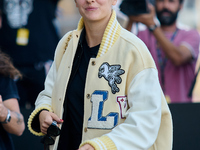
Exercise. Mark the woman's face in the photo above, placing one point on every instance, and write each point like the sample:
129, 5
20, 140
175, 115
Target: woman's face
95, 10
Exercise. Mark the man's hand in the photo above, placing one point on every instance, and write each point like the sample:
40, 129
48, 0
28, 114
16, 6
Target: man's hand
86, 147
46, 118
147, 18
3, 111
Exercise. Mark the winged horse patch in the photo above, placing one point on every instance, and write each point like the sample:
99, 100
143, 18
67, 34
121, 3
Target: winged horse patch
112, 74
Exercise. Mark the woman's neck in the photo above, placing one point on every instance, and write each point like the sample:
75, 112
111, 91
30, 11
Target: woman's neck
94, 35
95, 32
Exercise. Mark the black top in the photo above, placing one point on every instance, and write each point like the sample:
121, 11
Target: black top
43, 36
71, 132
7, 90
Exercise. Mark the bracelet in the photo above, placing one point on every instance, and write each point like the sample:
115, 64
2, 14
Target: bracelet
8, 118
152, 27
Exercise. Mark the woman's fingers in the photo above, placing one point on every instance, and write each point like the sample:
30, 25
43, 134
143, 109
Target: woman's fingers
86, 147
46, 118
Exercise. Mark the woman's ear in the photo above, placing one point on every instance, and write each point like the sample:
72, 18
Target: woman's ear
75, 2
114, 2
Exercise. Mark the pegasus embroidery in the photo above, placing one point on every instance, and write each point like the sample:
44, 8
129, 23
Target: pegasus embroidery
112, 74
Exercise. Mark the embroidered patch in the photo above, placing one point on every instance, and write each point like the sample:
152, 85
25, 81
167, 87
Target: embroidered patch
122, 101
112, 74
97, 120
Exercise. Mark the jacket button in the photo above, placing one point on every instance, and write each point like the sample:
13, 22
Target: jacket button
93, 63
85, 130
59, 99
77, 36
88, 96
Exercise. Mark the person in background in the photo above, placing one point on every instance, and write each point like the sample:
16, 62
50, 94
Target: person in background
102, 89
174, 50
11, 120
29, 36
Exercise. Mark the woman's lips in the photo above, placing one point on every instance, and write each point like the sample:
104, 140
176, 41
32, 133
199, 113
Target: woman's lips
91, 8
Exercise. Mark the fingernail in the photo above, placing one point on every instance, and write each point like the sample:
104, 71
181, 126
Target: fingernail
61, 120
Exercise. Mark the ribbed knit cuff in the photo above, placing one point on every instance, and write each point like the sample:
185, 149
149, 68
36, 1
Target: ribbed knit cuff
31, 118
101, 143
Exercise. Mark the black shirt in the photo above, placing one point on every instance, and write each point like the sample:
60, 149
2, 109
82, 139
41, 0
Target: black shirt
8, 90
71, 132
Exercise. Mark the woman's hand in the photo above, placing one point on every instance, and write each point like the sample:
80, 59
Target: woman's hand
46, 118
86, 147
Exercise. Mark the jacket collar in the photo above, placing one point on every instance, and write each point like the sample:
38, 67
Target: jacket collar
110, 36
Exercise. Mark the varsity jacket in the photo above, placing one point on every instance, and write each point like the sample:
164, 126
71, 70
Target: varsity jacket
124, 107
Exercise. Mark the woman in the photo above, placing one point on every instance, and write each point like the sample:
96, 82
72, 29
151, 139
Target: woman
104, 85
12, 121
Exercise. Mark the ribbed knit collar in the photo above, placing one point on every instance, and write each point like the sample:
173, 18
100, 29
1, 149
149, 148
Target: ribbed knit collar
110, 36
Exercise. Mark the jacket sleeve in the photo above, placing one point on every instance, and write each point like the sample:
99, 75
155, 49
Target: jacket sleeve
143, 119
43, 101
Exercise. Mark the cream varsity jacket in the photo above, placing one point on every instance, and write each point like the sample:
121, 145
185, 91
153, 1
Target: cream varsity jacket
124, 107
